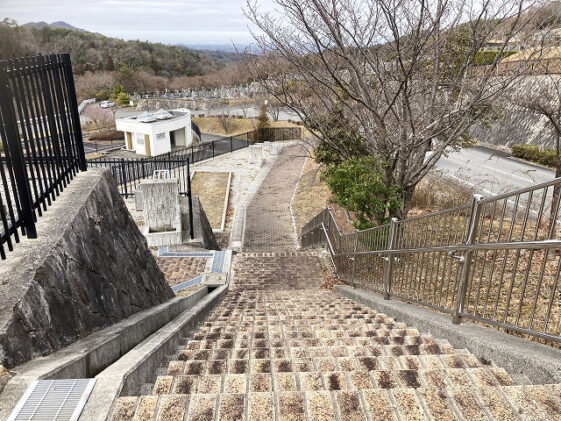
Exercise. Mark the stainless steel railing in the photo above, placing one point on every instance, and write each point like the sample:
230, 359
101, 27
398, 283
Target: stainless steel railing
496, 260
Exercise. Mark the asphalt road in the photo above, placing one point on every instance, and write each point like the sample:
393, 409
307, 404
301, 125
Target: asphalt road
490, 172
252, 112
91, 147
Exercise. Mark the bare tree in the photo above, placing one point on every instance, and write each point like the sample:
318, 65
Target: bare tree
542, 95
406, 75
92, 85
225, 121
245, 104
274, 106
101, 117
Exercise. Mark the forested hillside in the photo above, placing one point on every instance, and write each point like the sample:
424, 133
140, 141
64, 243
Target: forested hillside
102, 62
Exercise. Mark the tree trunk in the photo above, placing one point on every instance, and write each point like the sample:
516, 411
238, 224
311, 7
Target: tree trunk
407, 197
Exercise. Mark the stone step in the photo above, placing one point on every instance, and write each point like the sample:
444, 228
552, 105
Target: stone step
301, 376
277, 253
275, 348
355, 357
342, 356
460, 403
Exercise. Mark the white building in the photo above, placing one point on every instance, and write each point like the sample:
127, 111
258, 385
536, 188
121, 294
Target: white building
157, 133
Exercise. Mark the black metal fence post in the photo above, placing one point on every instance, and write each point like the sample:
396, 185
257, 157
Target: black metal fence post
192, 154
212, 149
190, 200
76, 117
231, 145
16, 155
124, 177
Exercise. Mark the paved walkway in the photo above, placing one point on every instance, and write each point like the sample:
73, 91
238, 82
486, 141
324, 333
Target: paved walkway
268, 223
279, 348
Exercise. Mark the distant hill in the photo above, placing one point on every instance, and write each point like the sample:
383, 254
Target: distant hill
227, 48
91, 52
57, 24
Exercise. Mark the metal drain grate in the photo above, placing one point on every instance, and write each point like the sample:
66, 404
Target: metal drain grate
50, 400
218, 261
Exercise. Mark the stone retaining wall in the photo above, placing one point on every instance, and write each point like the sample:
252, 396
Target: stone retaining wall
88, 268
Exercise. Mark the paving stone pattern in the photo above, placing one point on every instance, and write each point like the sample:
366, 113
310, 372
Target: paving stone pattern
279, 348
268, 223
181, 269
294, 352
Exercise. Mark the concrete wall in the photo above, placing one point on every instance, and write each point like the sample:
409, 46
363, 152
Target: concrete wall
158, 146
516, 126
88, 269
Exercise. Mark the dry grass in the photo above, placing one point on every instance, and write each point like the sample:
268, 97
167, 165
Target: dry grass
436, 193
312, 196
238, 125
211, 189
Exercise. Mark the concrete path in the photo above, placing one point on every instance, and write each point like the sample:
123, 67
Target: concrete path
268, 223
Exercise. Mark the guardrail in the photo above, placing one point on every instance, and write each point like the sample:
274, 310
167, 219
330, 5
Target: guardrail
494, 260
84, 103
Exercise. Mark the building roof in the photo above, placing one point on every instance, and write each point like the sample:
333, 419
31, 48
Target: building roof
157, 116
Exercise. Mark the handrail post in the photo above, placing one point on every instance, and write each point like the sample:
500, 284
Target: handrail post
388, 263
465, 260
328, 224
354, 258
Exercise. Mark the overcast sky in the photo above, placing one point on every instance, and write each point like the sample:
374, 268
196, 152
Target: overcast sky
168, 21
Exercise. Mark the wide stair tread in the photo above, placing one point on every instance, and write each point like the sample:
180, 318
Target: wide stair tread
529, 402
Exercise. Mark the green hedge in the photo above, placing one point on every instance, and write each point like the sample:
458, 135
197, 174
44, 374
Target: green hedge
532, 153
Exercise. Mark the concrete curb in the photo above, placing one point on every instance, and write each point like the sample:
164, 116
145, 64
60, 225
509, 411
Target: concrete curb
540, 363
294, 227
140, 365
94, 353
226, 200
238, 224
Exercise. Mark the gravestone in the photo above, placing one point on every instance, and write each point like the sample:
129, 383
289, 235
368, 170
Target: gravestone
256, 154
161, 211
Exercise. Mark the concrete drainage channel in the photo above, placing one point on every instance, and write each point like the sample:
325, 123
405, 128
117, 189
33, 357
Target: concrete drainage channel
121, 358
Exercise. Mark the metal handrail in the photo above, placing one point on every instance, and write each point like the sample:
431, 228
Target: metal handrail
495, 260
526, 245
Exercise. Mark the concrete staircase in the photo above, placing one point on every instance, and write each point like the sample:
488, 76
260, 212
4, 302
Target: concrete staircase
279, 348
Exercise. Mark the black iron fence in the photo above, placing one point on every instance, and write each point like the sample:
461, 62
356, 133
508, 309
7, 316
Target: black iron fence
274, 134
212, 149
128, 173
229, 144
41, 139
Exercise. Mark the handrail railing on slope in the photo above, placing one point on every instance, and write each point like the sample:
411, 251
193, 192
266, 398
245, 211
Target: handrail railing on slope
496, 260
